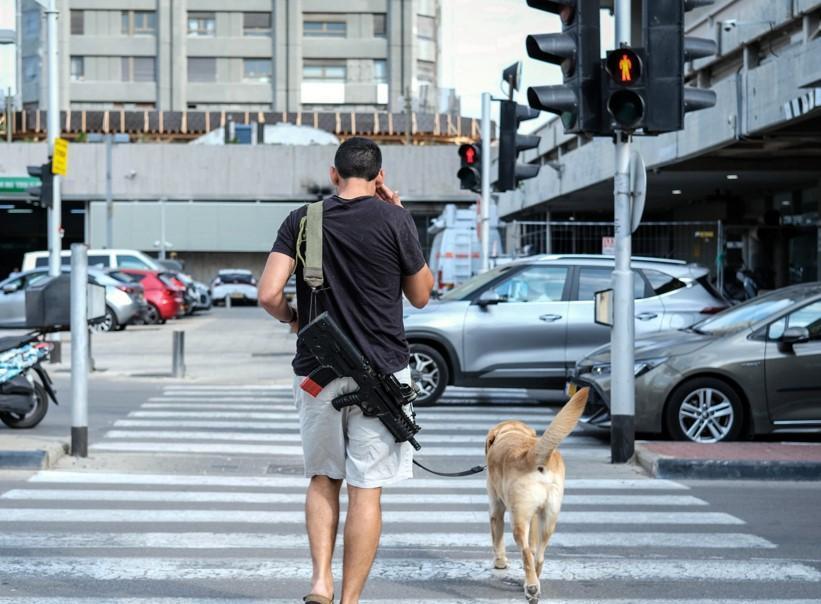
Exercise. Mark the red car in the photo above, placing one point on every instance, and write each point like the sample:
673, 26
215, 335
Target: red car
164, 301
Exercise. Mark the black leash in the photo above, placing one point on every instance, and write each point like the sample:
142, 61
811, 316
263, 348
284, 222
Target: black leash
471, 472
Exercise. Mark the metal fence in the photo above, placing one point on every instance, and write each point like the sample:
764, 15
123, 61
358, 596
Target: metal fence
700, 242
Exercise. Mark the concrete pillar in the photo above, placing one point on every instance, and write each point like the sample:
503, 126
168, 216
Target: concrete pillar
178, 51
293, 21
165, 62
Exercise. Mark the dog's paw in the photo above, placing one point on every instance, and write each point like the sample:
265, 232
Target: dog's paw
500, 563
532, 593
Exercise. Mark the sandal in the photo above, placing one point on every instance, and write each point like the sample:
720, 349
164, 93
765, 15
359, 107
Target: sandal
317, 599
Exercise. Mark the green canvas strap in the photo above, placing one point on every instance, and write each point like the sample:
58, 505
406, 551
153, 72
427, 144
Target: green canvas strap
312, 263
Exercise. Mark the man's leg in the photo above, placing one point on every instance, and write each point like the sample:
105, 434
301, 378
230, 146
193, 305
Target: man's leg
322, 520
363, 526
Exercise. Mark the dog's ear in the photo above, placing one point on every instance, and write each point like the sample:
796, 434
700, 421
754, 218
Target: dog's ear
491, 436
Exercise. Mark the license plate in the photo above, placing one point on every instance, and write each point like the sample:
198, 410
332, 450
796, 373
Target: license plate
237, 296
570, 389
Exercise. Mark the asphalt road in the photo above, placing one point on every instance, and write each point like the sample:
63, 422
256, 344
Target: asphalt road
193, 493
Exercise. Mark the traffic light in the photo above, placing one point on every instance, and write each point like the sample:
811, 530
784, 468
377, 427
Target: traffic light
470, 174
511, 144
41, 196
625, 92
668, 49
577, 51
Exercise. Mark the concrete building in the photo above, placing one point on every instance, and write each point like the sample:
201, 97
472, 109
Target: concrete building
246, 55
750, 166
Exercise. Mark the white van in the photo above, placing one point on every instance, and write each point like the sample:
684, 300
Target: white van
99, 258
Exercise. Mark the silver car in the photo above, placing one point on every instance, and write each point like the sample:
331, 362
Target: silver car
753, 369
120, 306
525, 324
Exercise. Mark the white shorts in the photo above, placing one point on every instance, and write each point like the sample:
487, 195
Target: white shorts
345, 444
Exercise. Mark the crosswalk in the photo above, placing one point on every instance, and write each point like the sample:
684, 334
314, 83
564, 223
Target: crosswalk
106, 537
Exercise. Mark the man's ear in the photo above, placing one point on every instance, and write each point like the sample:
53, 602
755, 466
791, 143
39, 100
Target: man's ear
380, 178
335, 178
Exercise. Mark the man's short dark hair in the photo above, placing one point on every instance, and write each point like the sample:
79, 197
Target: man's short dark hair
358, 157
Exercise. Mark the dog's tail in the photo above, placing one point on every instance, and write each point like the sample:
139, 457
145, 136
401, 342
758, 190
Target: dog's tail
561, 426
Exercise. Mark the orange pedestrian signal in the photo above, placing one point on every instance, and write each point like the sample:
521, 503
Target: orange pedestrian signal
624, 66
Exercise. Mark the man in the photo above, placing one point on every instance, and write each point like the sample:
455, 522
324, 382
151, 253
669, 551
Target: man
371, 256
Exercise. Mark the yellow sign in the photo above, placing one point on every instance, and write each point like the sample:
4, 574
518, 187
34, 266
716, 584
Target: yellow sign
59, 162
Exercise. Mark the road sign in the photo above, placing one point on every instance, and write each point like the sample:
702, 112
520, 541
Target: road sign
17, 184
60, 159
638, 187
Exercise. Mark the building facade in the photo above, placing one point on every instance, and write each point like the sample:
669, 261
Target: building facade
246, 55
750, 164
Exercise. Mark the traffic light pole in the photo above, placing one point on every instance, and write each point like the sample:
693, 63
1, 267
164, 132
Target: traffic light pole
55, 211
485, 208
622, 404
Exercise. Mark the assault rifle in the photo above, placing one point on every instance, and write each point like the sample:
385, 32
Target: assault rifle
380, 396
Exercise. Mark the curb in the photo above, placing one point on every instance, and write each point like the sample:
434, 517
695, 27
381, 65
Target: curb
663, 466
41, 456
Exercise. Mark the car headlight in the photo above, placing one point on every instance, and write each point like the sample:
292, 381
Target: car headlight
639, 367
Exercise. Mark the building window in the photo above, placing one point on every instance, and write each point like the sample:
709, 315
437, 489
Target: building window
256, 70
426, 71
138, 69
425, 27
78, 69
324, 29
380, 25
324, 72
202, 24
139, 22
380, 71
256, 24
202, 69
31, 67
77, 22
31, 23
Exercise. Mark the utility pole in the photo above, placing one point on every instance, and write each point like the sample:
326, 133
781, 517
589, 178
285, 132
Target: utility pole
485, 201
109, 203
622, 405
55, 212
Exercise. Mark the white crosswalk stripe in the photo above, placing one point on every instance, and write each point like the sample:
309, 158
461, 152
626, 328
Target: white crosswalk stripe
174, 532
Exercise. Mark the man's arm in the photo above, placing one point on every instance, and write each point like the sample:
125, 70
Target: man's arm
417, 287
271, 287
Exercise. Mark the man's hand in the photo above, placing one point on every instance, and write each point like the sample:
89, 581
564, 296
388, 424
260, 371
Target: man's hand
384, 193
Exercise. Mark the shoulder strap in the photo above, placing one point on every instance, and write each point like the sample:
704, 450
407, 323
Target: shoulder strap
312, 271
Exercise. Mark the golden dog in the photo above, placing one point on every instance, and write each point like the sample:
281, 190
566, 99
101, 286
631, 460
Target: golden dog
525, 474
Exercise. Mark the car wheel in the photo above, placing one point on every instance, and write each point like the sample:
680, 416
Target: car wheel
152, 315
705, 410
109, 323
429, 372
33, 417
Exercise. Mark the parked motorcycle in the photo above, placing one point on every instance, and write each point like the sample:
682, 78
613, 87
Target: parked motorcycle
24, 399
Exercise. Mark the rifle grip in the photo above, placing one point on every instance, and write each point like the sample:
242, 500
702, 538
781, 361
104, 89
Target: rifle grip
346, 400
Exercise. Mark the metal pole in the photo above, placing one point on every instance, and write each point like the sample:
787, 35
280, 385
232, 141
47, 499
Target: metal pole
9, 114
109, 202
485, 216
79, 350
162, 229
18, 80
178, 355
622, 405
548, 236
55, 212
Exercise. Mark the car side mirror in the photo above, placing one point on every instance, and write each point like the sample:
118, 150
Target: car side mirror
488, 297
10, 288
796, 335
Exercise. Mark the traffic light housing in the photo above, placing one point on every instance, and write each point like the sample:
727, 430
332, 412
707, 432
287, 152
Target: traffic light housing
511, 143
42, 195
667, 50
625, 90
470, 174
577, 50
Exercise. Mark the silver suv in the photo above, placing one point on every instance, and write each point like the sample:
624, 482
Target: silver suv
525, 324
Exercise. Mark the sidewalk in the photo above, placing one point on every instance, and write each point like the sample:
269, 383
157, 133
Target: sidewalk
20, 451
735, 460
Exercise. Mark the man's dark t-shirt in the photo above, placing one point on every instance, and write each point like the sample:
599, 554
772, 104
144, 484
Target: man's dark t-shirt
368, 246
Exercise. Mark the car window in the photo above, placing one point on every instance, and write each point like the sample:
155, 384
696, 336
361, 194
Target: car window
128, 261
534, 284
743, 316
99, 260
473, 284
809, 317
41, 262
662, 283
36, 278
592, 280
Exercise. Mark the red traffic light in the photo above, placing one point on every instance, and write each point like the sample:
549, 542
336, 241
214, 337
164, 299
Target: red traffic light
624, 66
469, 154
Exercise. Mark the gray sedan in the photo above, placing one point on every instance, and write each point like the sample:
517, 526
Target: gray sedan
525, 324
753, 369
